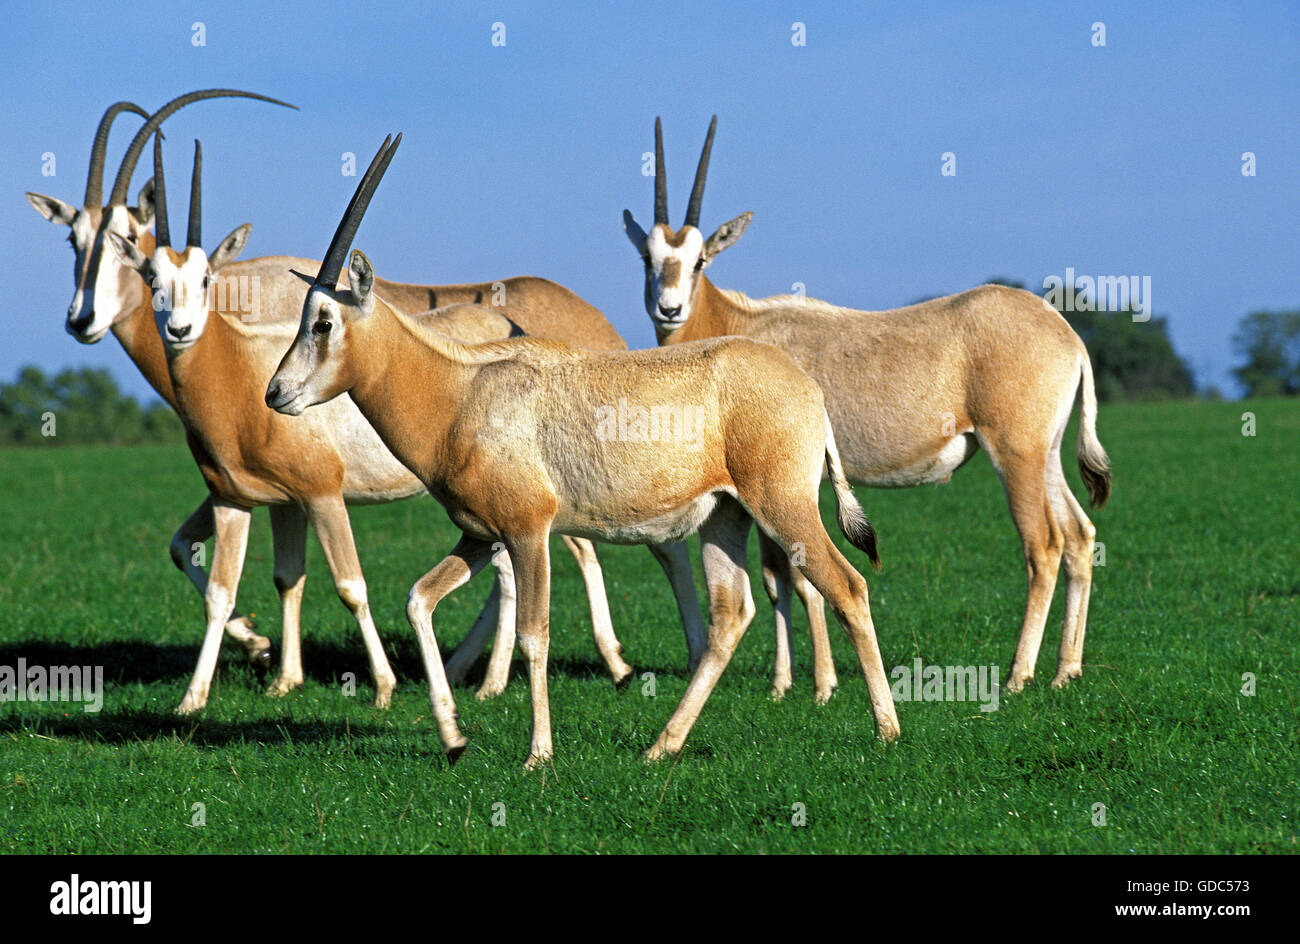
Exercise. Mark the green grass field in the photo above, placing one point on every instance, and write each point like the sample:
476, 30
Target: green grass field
1200, 586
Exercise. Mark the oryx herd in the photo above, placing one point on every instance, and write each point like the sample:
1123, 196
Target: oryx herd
486, 396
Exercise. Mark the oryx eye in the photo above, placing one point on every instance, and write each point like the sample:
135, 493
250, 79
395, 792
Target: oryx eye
321, 327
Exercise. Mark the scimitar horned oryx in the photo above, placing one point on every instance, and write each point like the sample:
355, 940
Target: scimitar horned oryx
508, 437
108, 297
912, 393
217, 368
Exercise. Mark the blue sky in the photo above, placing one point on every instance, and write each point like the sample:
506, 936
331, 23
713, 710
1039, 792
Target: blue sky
519, 159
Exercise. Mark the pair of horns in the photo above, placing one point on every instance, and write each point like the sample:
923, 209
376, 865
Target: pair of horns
194, 236
95, 176
328, 276
124, 173
661, 179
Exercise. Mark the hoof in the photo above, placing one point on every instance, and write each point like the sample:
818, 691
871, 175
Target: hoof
823, 695
889, 731
657, 752
535, 761
453, 753
384, 697
190, 704
282, 686
625, 681
1066, 675
1017, 683
489, 690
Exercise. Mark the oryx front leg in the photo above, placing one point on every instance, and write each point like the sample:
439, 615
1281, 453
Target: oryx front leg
503, 648
231, 527
486, 626
731, 608
186, 542
584, 552
289, 533
675, 559
329, 516
776, 581
467, 558
531, 557
824, 679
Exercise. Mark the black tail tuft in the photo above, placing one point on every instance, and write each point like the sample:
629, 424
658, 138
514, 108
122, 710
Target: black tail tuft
857, 528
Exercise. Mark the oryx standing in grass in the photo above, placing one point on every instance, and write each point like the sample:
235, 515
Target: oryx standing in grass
912, 393
107, 297
218, 366
111, 296
508, 437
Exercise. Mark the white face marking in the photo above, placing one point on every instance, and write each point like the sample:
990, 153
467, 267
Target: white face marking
180, 297
101, 298
671, 276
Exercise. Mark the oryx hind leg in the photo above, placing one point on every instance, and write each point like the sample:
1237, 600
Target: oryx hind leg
796, 520
584, 552
329, 517
1023, 471
723, 538
289, 534
779, 576
196, 529
1080, 535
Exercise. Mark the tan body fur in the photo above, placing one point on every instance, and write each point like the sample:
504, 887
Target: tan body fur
913, 392
506, 436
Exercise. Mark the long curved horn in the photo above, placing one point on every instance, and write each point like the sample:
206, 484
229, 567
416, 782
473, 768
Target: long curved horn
163, 235
328, 276
95, 176
195, 235
701, 171
661, 178
123, 180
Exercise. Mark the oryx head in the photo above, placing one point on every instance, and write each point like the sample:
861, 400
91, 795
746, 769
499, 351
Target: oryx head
675, 260
322, 362
92, 279
103, 290
179, 280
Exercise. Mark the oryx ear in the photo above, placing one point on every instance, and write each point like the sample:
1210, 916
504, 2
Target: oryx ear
634, 231
52, 208
229, 248
725, 235
361, 277
143, 210
128, 252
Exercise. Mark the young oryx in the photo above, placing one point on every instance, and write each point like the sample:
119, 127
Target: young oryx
218, 367
913, 392
510, 438
107, 297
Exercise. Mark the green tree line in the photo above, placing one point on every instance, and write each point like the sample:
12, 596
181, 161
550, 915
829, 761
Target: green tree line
79, 406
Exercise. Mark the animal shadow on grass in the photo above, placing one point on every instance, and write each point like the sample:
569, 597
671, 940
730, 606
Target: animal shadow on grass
325, 661
127, 726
